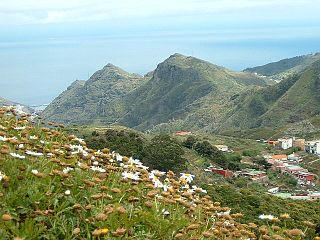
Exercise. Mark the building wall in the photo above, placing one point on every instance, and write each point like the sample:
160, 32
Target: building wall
317, 148
299, 143
287, 143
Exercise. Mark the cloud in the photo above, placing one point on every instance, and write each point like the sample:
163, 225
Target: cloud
62, 11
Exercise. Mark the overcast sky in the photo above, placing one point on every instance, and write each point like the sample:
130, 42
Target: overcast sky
47, 44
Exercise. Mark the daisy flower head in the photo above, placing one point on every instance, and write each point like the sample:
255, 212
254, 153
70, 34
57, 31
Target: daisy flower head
187, 177
16, 155
67, 192
36, 154
2, 175
266, 217
97, 169
129, 175
19, 128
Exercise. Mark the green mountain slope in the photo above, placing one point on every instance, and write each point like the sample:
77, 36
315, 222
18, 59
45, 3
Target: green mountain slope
183, 90
279, 70
292, 100
85, 101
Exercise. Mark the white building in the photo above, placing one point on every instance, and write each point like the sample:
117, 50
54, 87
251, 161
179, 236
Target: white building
286, 143
313, 147
222, 148
273, 190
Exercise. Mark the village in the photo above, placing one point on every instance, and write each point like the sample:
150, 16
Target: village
284, 165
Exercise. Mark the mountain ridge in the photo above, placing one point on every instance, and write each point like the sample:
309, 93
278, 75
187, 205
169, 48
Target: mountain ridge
183, 92
281, 69
174, 90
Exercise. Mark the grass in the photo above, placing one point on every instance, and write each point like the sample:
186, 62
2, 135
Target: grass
42, 198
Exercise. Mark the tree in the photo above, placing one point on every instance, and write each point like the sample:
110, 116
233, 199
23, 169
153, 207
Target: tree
164, 153
263, 162
189, 142
205, 149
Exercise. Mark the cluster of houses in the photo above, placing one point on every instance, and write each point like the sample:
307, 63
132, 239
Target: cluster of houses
286, 143
307, 195
287, 164
290, 165
252, 174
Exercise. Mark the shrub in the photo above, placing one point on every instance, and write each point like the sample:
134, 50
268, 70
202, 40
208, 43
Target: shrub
164, 153
189, 142
205, 149
250, 153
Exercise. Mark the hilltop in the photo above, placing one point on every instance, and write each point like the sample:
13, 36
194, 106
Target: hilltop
181, 88
281, 69
293, 100
86, 101
186, 93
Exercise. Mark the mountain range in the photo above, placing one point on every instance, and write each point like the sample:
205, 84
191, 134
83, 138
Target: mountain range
281, 69
189, 93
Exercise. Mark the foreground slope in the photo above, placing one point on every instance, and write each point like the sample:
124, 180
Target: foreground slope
281, 69
86, 101
54, 187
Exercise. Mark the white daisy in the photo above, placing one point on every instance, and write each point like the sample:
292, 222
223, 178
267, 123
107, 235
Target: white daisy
36, 154
97, 169
4, 139
130, 175
16, 155
19, 128
2, 175
187, 176
267, 217
198, 189
67, 170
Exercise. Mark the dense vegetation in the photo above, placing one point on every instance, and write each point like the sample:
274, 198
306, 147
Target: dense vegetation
54, 187
252, 203
162, 152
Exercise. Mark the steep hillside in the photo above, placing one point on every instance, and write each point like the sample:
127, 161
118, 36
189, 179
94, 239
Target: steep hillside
182, 89
54, 187
85, 101
281, 69
292, 100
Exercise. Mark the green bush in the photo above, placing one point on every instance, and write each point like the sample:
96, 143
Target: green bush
250, 153
189, 142
122, 141
205, 149
164, 153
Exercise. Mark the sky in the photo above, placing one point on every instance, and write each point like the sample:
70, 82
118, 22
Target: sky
45, 45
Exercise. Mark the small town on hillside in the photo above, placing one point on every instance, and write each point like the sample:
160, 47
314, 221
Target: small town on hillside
285, 165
